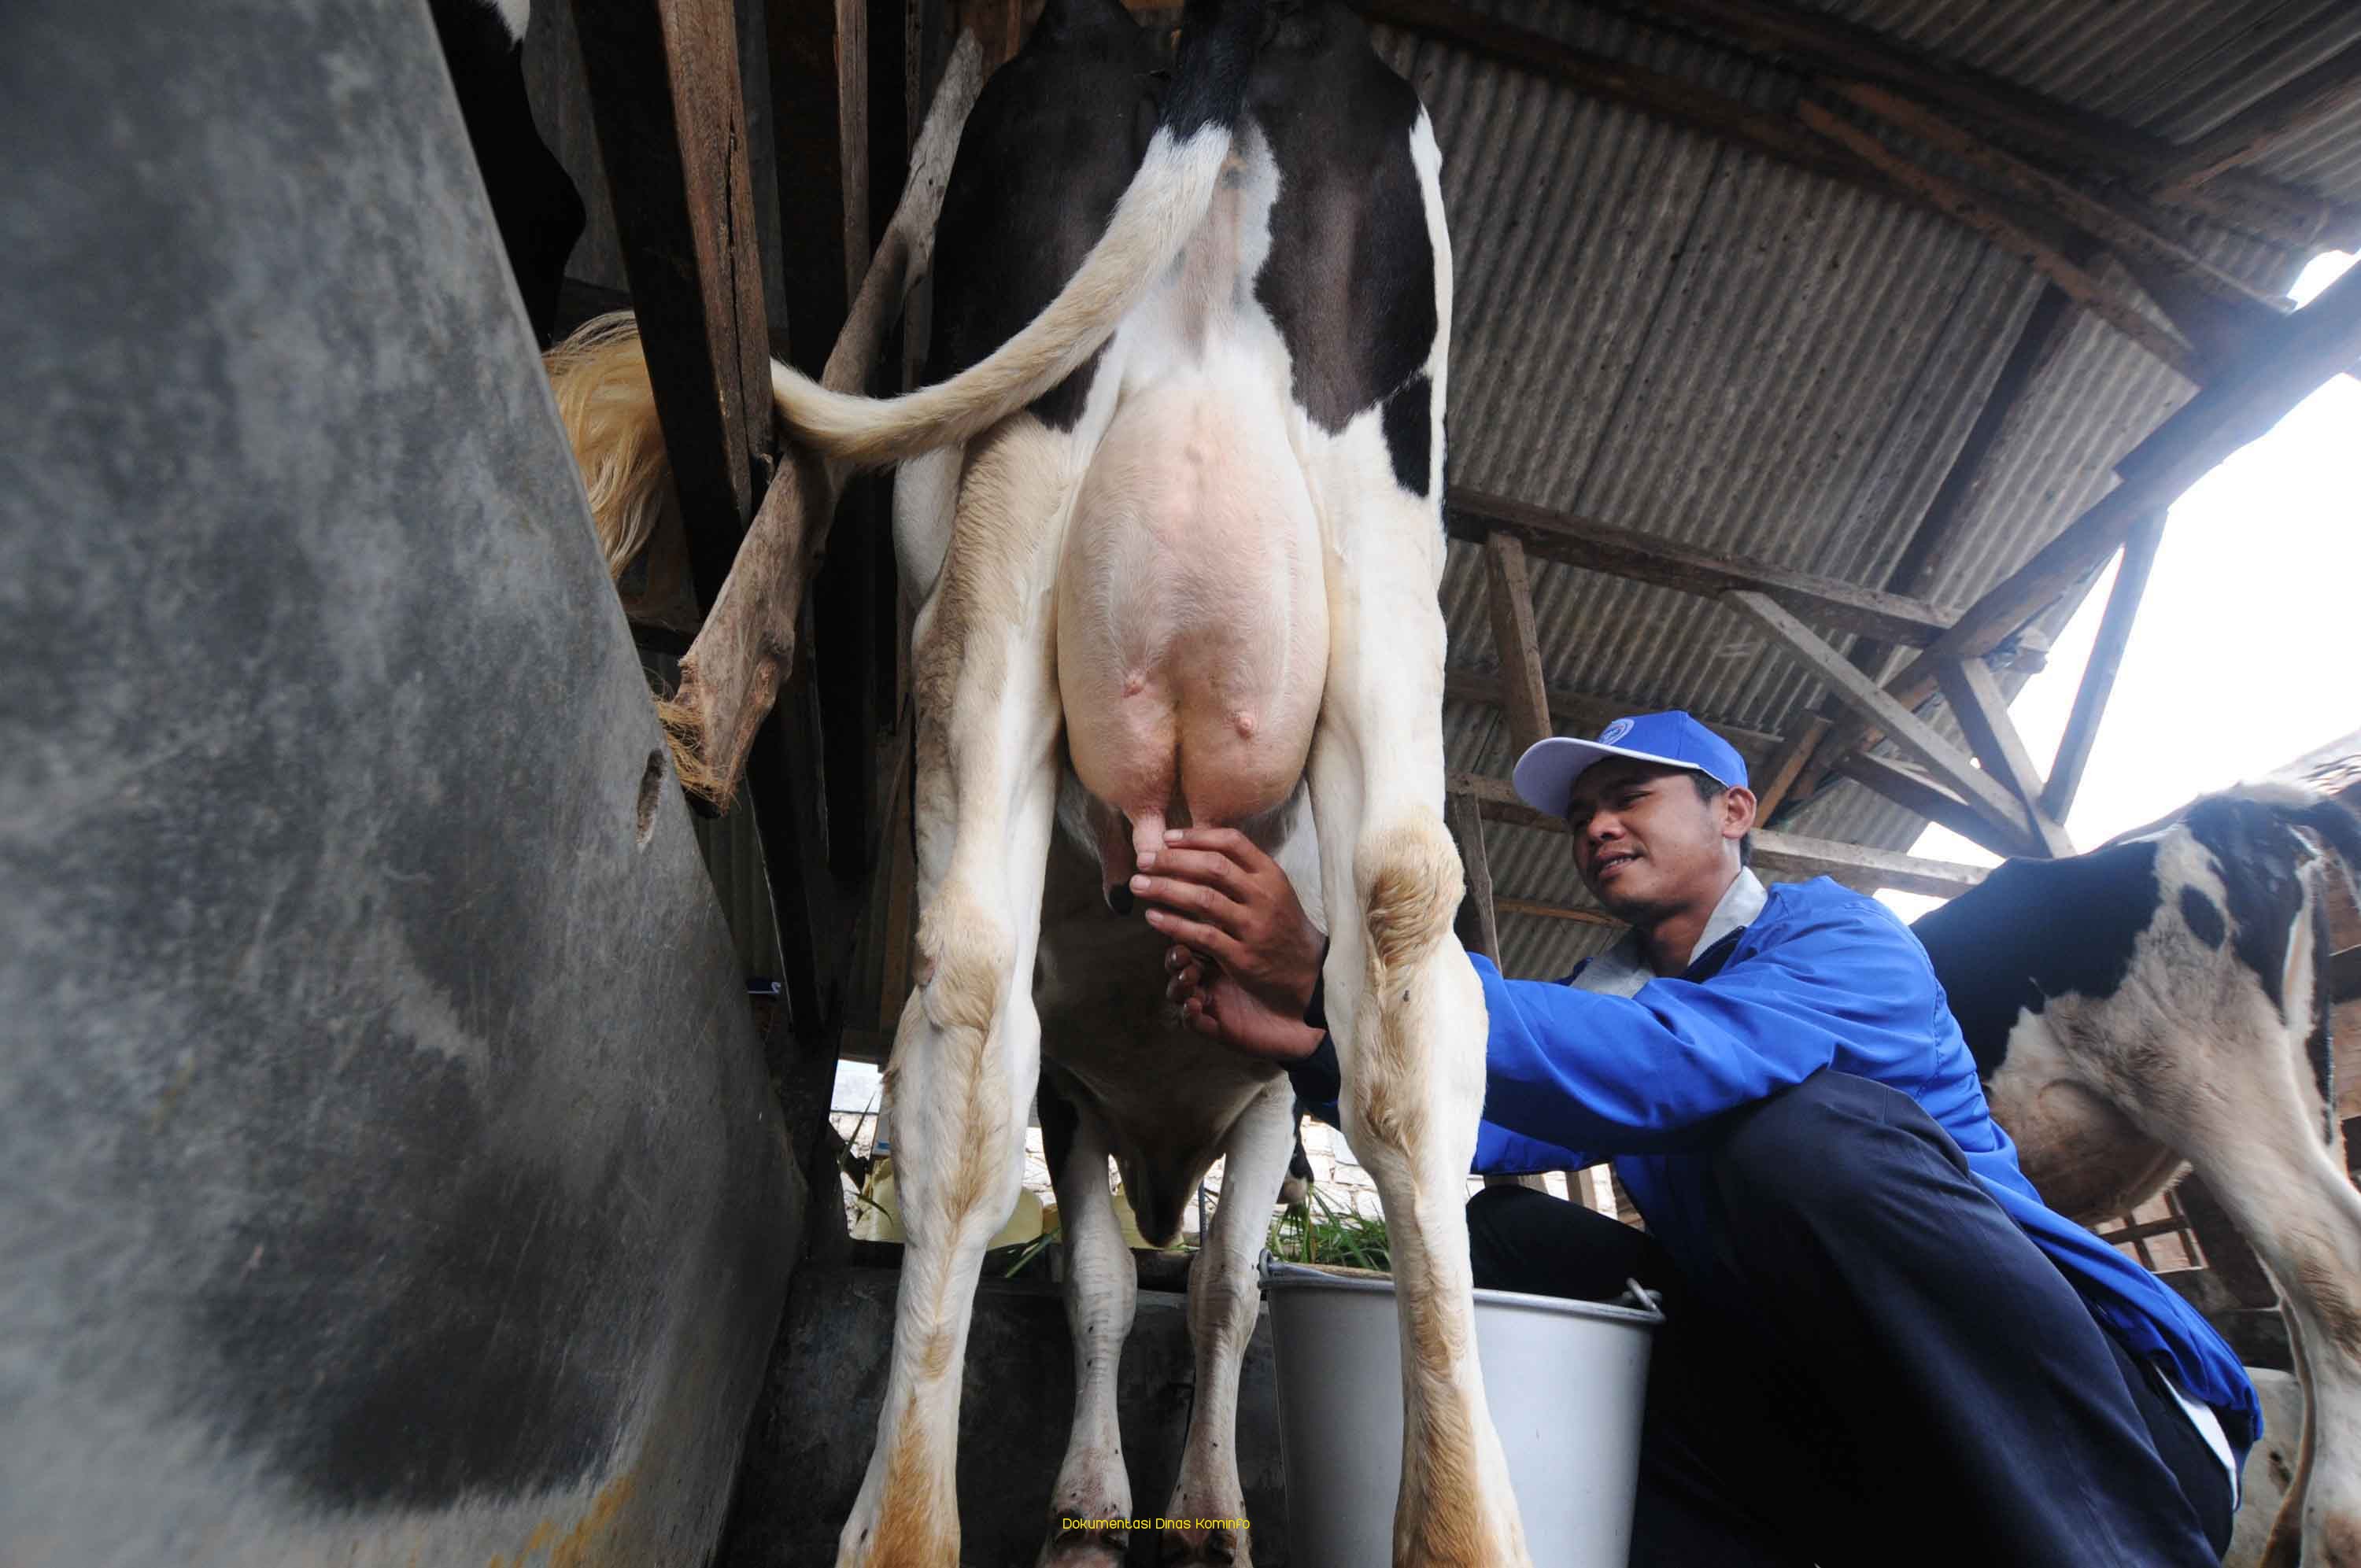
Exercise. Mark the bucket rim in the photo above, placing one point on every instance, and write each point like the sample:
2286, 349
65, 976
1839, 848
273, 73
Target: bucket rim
1279, 1275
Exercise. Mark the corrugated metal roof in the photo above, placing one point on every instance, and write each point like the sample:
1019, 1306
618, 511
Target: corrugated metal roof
1662, 331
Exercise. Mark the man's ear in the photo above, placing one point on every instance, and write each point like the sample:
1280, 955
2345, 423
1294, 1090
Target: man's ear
1738, 808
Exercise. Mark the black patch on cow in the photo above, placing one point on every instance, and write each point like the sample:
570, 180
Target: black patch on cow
2259, 858
2205, 918
2320, 1046
533, 201
1052, 142
1210, 76
2036, 929
1408, 425
1350, 278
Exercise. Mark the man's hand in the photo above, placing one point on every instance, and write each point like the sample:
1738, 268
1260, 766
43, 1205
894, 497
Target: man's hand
1250, 955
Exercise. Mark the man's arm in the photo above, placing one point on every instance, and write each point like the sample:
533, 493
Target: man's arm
1649, 1072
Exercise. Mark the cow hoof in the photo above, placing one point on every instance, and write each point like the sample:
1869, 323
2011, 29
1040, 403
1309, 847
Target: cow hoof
1209, 1548
1083, 1546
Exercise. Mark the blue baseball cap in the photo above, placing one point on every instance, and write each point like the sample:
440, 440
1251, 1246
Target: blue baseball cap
1545, 773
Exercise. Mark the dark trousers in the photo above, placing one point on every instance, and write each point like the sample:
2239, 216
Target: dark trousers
1873, 1365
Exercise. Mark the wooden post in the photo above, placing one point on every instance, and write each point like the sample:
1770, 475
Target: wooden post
1524, 690
2099, 675
1479, 923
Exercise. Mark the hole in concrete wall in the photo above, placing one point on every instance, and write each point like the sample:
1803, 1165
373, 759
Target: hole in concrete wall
652, 780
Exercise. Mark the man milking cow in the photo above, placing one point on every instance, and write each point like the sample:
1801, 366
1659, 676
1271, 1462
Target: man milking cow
1880, 1346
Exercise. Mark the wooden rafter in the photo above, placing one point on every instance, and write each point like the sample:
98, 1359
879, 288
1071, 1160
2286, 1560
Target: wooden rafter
1952, 767
1912, 789
1646, 558
2123, 231
2074, 138
1981, 710
1784, 854
1974, 209
2286, 111
2099, 675
2285, 365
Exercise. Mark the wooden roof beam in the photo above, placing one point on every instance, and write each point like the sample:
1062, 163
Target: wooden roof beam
1786, 854
1981, 708
1641, 557
1973, 209
1827, 45
1913, 790
2285, 111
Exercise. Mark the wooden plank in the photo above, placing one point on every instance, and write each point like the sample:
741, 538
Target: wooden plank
1912, 789
1623, 552
732, 673
1582, 713
2234, 1264
1479, 923
1974, 209
1815, 41
1950, 766
1788, 854
672, 132
819, 65
1772, 787
2286, 111
2286, 365
2098, 680
1982, 711
1525, 690
2119, 230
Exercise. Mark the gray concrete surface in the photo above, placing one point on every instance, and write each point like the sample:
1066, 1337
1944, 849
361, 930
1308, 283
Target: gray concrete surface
387, 1169
809, 1443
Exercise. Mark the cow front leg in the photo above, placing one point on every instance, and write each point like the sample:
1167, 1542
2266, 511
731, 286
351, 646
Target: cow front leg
968, 1047
1102, 1288
1224, 1297
1407, 1010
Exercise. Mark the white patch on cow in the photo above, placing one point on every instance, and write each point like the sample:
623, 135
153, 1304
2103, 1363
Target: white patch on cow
1427, 156
515, 15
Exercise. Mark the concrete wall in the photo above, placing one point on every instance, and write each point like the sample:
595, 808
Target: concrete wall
387, 1170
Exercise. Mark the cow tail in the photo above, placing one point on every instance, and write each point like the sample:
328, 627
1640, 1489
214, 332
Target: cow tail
1167, 200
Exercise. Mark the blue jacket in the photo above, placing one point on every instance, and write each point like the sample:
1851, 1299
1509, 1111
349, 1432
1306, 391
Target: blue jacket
1823, 978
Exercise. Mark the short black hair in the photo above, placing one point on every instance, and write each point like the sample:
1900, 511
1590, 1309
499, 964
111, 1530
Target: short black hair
1710, 789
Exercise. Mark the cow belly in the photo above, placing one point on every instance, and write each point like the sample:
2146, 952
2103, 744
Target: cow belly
1192, 627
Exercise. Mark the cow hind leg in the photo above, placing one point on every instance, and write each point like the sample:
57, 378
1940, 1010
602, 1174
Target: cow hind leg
968, 1047
1404, 1005
1102, 1287
1223, 1297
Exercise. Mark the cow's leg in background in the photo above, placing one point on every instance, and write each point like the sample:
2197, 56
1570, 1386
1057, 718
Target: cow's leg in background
968, 1047
1102, 1288
1223, 1297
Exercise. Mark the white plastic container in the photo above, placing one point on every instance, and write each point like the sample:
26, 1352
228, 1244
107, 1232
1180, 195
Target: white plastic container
1566, 1382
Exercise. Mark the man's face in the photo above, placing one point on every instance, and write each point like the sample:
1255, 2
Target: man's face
1644, 842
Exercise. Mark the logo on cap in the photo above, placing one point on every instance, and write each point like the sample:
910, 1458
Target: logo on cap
1615, 731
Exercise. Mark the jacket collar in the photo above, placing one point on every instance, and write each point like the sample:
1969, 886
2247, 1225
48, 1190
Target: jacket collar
1623, 969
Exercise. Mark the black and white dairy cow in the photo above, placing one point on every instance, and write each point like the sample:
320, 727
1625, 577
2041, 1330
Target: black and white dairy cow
2162, 1004
1171, 511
